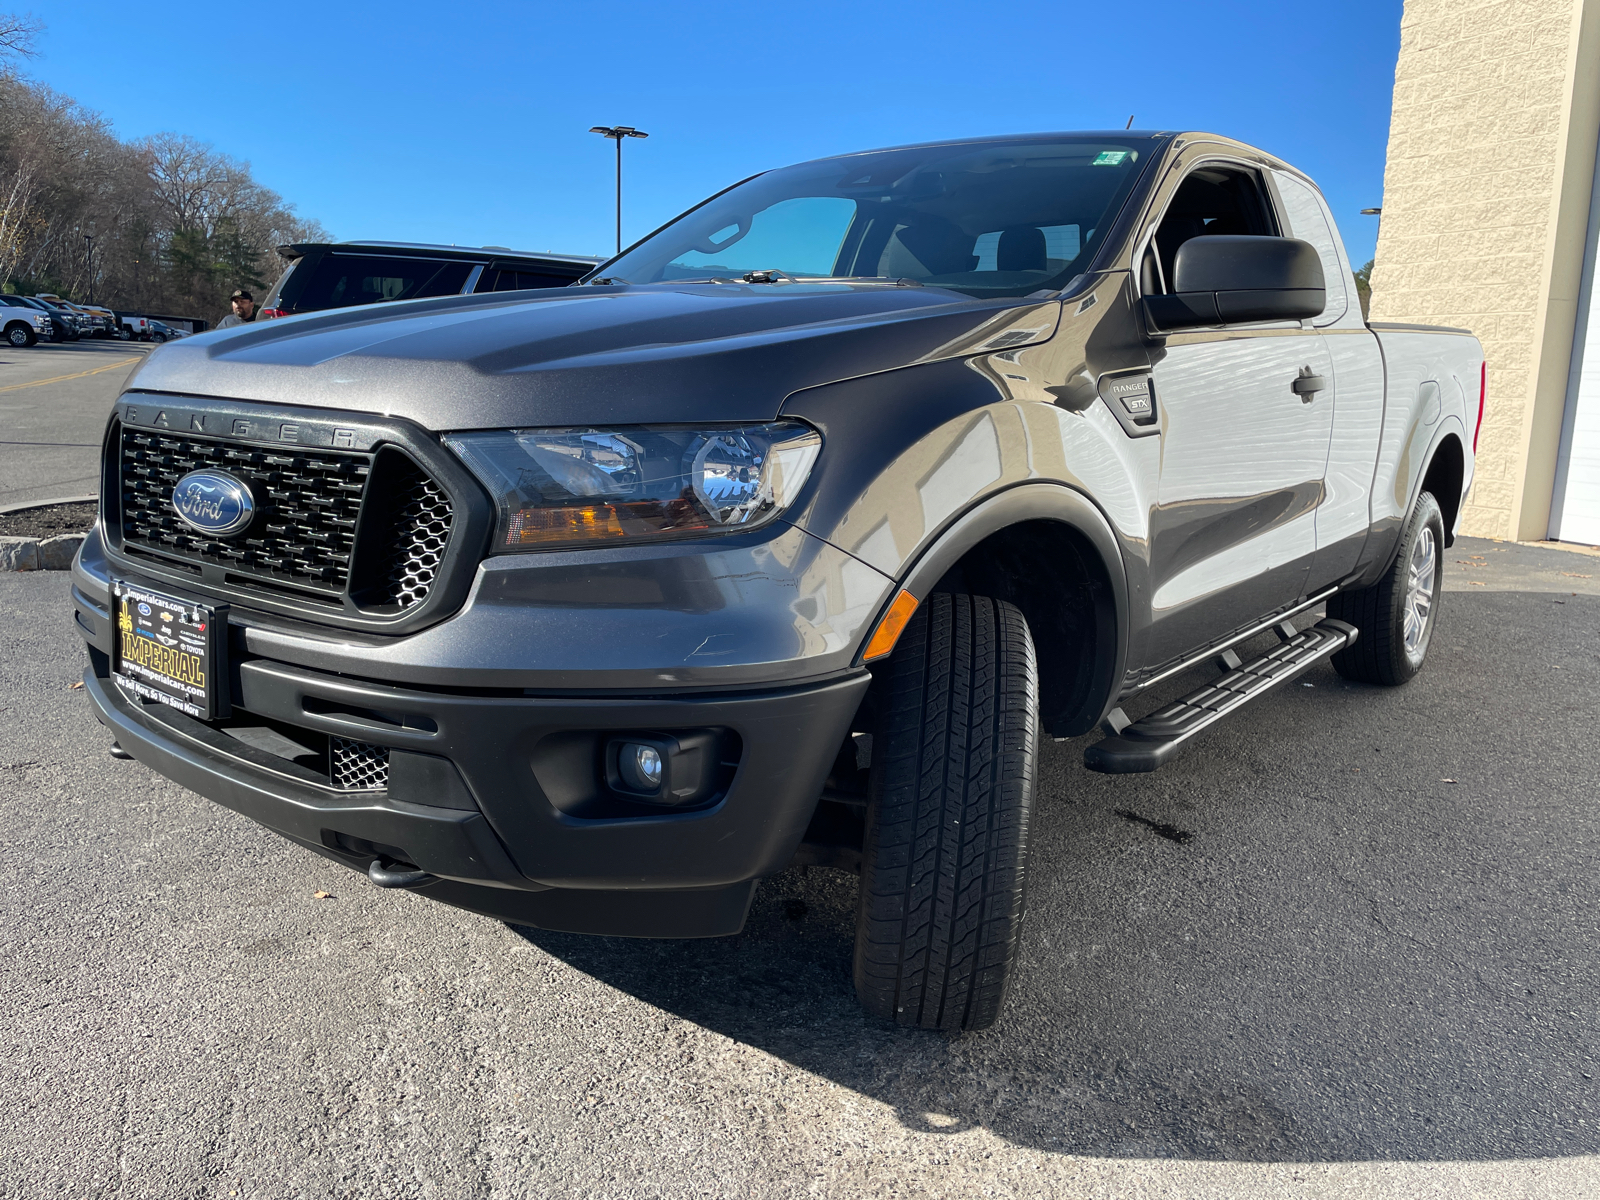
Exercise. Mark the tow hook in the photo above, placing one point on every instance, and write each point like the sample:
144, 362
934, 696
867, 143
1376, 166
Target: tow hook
397, 875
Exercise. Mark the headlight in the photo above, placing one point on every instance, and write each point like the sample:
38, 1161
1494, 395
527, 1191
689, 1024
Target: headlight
558, 487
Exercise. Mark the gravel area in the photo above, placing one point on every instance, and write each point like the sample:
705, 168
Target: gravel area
53, 520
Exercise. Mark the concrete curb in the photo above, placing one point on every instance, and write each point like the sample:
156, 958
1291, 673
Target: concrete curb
40, 554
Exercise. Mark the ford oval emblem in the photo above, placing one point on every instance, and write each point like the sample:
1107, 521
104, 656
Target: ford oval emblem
214, 502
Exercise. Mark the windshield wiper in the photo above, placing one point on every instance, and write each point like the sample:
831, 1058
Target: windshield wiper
776, 276
607, 279
886, 280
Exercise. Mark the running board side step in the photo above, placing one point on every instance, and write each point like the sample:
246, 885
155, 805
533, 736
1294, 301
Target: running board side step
1149, 742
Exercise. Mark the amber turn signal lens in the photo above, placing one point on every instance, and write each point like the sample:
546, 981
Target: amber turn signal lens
590, 523
889, 628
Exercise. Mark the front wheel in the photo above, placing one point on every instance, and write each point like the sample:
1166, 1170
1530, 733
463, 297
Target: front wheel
1396, 615
943, 875
20, 335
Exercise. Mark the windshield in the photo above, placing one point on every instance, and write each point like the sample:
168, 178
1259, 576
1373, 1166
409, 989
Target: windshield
988, 219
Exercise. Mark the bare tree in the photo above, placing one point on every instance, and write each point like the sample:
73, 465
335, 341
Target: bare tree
17, 35
175, 223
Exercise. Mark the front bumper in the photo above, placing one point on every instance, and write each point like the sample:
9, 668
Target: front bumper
495, 803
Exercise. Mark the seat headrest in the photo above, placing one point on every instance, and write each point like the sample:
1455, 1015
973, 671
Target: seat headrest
1021, 249
939, 246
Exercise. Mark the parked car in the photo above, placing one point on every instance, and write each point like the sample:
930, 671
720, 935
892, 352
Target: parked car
63, 325
344, 274
782, 540
160, 331
107, 320
90, 324
76, 318
133, 327
23, 325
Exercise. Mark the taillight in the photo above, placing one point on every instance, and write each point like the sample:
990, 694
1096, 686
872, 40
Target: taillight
1483, 392
269, 313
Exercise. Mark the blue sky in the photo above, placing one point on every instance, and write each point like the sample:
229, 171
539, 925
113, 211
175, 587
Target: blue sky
468, 123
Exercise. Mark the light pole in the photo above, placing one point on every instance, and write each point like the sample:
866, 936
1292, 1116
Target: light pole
616, 133
88, 241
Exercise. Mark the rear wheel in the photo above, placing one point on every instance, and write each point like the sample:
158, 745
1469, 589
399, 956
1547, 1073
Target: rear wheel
944, 866
1397, 614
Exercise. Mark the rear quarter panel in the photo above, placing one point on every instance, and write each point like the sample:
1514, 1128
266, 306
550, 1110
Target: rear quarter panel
1431, 389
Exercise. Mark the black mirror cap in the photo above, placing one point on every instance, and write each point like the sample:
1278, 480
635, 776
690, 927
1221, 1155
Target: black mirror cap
1228, 262
1219, 279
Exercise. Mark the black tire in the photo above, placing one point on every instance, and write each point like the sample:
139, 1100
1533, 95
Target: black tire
944, 868
1383, 654
19, 335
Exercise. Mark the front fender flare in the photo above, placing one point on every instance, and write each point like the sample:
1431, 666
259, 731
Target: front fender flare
1050, 502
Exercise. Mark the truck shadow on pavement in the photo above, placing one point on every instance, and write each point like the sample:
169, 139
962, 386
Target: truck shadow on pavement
1374, 944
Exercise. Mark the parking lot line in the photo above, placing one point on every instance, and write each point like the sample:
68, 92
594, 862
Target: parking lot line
121, 362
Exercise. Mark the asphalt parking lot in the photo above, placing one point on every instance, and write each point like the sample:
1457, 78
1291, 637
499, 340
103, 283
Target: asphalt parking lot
54, 398
1344, 946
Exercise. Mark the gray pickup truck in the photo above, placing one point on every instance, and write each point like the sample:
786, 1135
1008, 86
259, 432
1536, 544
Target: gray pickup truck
781, 538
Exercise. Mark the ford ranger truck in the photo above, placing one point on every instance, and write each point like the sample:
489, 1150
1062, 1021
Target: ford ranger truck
783, 537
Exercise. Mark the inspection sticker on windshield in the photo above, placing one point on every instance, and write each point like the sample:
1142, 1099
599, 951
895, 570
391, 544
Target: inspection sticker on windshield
1109, 158
168, 650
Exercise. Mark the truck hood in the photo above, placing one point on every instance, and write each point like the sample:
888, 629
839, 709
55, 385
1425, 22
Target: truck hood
595, 355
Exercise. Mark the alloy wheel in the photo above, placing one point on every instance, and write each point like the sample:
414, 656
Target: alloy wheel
1422, 579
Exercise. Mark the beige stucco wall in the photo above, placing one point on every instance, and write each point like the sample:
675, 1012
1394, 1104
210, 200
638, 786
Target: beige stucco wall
1485, 205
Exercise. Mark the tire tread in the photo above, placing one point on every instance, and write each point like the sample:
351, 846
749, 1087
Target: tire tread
942, 895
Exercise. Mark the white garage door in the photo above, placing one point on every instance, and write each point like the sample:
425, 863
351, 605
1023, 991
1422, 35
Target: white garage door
1575, 506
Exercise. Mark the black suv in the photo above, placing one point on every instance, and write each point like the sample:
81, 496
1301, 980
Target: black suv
345, 274
783, 539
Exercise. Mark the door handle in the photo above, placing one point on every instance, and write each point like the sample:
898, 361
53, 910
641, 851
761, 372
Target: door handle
1306, 385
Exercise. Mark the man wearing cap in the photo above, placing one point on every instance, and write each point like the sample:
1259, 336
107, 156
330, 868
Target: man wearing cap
244, 310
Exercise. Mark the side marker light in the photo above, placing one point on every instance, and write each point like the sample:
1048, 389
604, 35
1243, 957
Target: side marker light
890, 627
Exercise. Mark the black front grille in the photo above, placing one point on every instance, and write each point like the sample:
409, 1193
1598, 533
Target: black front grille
308, 503
410, 528
372, 527
357, 766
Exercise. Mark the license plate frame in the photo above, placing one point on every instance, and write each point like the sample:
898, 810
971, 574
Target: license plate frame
171, 649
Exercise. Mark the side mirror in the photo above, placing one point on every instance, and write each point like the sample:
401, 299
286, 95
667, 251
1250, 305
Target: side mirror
1221, 278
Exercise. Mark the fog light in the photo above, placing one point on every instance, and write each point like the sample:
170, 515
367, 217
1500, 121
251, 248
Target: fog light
664, 768
640, 766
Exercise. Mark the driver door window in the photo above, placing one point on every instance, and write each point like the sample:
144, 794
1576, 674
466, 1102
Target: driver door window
1211, 200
